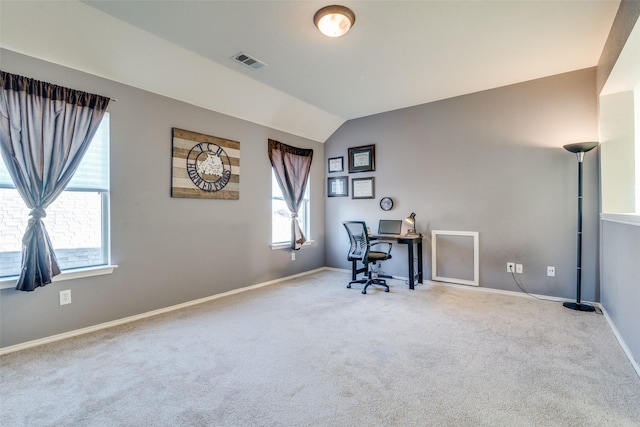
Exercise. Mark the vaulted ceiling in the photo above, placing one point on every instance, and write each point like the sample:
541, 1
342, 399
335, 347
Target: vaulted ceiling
398, 54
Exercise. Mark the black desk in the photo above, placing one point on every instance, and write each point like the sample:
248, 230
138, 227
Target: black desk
408, 240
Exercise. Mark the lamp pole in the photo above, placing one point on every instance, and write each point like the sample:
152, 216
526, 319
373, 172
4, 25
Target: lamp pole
579, 149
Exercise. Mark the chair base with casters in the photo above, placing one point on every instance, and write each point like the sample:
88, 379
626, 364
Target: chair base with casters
360, 250
369, 279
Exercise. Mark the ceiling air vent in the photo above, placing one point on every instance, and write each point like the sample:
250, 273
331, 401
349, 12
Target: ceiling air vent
248, 60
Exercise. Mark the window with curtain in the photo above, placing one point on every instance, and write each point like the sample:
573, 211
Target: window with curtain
281, 217
77, 221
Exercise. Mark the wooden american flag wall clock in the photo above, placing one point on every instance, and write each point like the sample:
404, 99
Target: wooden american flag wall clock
204, 166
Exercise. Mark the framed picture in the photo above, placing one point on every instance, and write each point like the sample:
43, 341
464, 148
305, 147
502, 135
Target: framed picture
338, 186
362, 159
336, 164
204, 166
363, 188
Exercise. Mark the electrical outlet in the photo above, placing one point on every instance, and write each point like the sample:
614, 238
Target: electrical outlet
293, 256
519, 268
511, 267
65, 297
551, 271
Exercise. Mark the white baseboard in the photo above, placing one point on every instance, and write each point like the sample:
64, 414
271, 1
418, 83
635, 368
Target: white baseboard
474, 288
621, 341
624, 346
111, 324
507, 292
106, 325
339, 270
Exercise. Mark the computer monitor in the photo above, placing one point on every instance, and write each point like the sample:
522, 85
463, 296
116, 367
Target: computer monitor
390, 226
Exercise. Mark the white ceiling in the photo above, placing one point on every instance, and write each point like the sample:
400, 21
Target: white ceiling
398, 54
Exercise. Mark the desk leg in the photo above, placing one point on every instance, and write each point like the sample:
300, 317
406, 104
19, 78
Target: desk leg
410, 256
420, 275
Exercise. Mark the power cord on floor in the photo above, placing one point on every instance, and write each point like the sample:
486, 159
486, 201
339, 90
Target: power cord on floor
521, 286
523, 289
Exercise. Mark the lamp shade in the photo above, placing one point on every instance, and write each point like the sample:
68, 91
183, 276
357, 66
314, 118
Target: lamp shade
581, 147
335, 20
411, 219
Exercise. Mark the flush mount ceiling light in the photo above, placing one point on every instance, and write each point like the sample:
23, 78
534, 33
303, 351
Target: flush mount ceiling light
335, 20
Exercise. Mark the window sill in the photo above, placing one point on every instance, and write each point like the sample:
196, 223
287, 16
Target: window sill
76, 273
629, 219
287, 245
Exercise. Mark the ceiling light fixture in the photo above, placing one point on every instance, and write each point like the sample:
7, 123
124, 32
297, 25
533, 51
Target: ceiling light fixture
335, 20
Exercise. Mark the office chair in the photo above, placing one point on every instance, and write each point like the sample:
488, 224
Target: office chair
360, 250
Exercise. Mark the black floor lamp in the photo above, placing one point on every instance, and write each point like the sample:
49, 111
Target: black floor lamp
579, 148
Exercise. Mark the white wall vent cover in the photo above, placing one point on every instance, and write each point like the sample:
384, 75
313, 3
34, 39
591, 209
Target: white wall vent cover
249, 61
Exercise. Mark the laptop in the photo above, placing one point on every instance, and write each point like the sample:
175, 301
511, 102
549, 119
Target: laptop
390, 227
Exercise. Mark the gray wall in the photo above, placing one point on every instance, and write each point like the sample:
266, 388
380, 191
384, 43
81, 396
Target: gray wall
620, 242
168, 250
621, 280
489, 162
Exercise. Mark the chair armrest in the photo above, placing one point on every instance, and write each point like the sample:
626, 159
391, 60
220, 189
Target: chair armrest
382, 243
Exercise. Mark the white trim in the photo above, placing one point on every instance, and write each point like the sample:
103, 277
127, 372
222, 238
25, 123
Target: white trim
621, 341
106, 325
628, 219
624, 346
507, 292
476, 261
287, 245
76, 273
141, 316
339, 270
477, 288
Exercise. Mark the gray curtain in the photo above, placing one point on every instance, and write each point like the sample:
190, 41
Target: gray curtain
291, 166
44, 132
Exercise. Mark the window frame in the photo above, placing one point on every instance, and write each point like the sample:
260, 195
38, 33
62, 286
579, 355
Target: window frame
105, 267
305, 209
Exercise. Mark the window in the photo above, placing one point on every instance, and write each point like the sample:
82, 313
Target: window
77, 221
281, 217
619, 120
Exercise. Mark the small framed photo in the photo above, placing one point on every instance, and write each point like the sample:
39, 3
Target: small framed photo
338, 186
363, 188
336, 164
362, 159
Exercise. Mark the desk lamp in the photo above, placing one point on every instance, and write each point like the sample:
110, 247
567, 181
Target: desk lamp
411, 219
579, 149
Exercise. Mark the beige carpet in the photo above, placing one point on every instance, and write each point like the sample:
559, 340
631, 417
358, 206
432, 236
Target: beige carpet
309, 352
